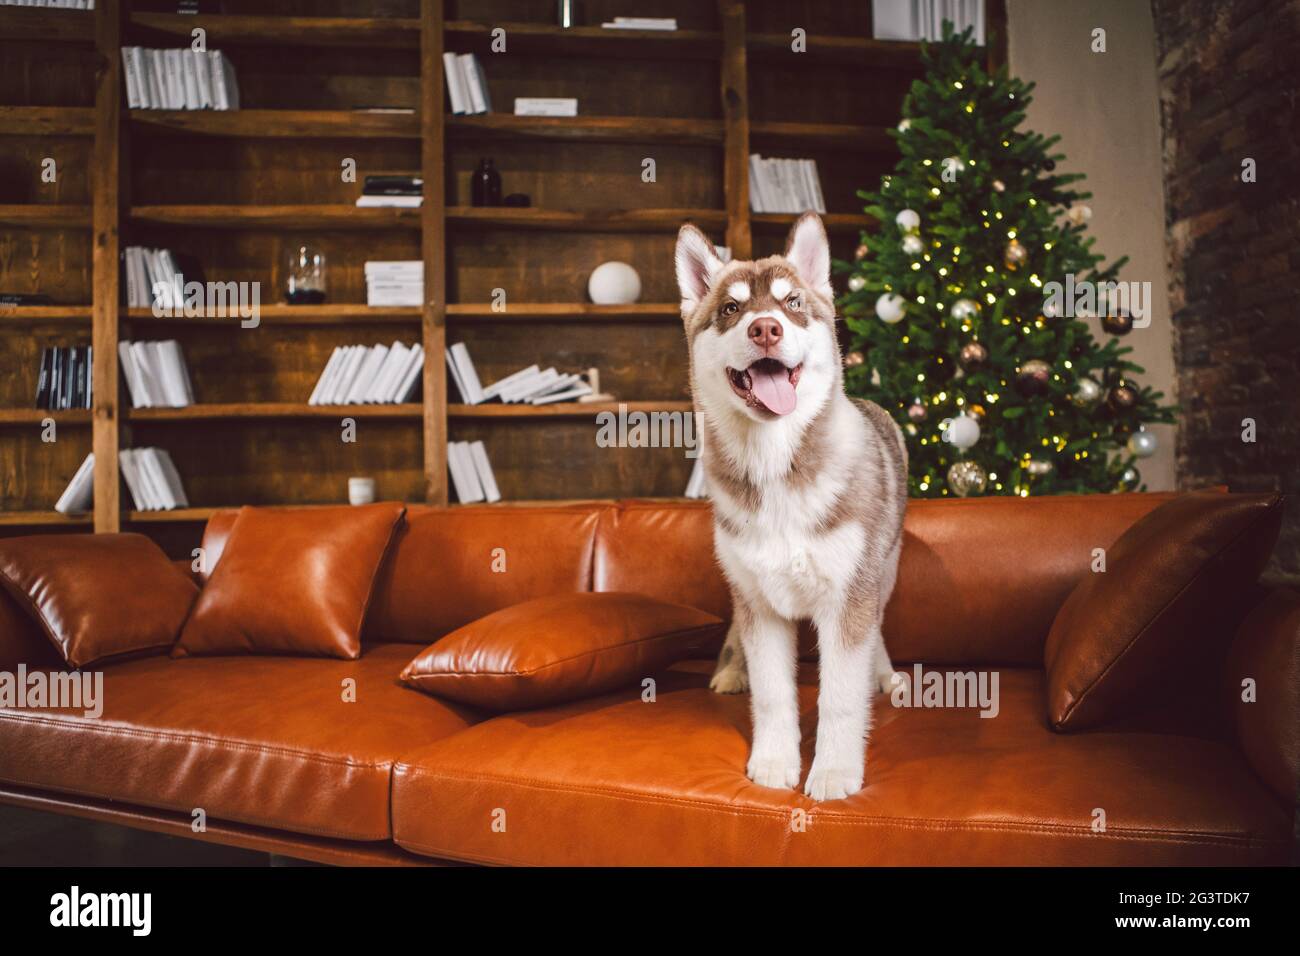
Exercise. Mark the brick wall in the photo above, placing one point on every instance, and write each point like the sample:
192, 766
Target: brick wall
1229, 76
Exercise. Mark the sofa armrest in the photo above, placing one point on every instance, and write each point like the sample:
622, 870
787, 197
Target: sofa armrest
21, 639
1266, 649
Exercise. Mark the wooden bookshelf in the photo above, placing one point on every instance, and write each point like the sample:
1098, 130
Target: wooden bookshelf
325, 80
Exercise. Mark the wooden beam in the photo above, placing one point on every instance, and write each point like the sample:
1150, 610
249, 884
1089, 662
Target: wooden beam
995, 32
104, 183
735, 112
434, 251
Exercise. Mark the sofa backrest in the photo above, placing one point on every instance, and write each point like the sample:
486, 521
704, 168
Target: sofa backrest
980, 580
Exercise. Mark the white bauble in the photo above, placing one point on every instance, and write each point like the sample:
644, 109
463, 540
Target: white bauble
891, 308
1142, 443
1079, 214
909, 220
963, 310
614, 283
913, 245
856, 283
962, 432
904, 125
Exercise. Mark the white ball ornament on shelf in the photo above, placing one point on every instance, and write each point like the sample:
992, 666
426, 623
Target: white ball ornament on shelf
913, 245
614, 283
856, 283
891, 307
909, 220
1143, 443
962, 432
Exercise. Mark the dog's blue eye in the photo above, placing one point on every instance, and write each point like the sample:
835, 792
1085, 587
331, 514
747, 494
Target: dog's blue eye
794, 303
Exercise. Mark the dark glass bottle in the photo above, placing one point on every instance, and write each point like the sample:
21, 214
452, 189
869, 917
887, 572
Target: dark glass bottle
485, 189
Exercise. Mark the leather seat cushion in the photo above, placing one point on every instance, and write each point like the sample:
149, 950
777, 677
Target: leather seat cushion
267, 741
616, 781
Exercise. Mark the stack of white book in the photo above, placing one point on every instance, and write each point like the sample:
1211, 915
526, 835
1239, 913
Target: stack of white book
531, 385
365, 375
471, 472
784, 185
923, 19
395, 283
466, 85
152, 276
641, 23
696, 486
51, 4
152, 479
155, 374
79, 496
179, 79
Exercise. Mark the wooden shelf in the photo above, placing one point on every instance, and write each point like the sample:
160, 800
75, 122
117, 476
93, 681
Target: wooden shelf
33, 519
307, 216
289, 124
562, 409
45, 216
239, 410
866, 139
834, 222
75, 314
836, 50
277, 313
47, 120
540, 38
19, 23
567, 312
287, 31
586, 220
175, 515
606, 129
34, 416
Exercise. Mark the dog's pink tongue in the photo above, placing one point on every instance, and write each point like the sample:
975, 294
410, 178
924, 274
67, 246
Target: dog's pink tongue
773, 388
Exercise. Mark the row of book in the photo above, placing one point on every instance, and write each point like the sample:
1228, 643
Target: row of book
784, 185
152, 276
64, 380
471, 472
155, 374
466, 85
923, 19
365, 375
405, 192
180, 79
51, 4
531, 385
395, 282
150, 475
641, 23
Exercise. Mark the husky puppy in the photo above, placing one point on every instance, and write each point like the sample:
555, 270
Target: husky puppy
809, 489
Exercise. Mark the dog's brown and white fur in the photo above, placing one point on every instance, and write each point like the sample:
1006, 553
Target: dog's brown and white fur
808, 488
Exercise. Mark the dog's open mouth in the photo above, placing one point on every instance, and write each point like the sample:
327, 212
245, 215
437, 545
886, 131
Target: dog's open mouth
767, 384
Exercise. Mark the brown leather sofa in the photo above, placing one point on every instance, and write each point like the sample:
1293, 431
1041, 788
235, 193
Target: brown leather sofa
277, 760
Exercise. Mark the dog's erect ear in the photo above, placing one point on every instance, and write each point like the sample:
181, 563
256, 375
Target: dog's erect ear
810, 253
697, 264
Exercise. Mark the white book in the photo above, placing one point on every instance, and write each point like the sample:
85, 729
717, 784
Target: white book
639, 23
330, 365
176, 380
480, 78
144, 291
816, 181
140, 72
389, 202
160, 291
231, 81
172, 478
172, 274
410, 383
369, 368
131, 375
456, 92
332, 376
79, 495
563, 383
149, 384
347, 375
483, 468
189, 80
531, 386
545, 106
463, 478
567, 395
394, 364
147, 462
468, 374
131, 80
494, 390
157, 79
456, 380
172, 76
469, 76
163, 378
134, 482
894, 20
981, 37
198, 63
132, 291
696, 487
757, 193
395, 268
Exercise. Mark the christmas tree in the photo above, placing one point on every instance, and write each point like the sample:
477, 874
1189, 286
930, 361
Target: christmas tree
956, 326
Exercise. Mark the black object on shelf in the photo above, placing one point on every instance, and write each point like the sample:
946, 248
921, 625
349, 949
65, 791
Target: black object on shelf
518, 200
485, 188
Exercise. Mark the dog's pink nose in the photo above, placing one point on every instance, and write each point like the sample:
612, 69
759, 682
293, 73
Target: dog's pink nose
765, 332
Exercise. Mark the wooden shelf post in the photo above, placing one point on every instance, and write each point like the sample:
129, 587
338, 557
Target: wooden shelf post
433, 247
735, 112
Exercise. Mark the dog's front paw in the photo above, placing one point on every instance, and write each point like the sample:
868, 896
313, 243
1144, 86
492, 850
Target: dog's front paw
772, 770
729, 680
832, 783
887, 680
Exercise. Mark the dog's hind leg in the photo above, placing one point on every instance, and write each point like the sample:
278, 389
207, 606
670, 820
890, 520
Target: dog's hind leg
730, 676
